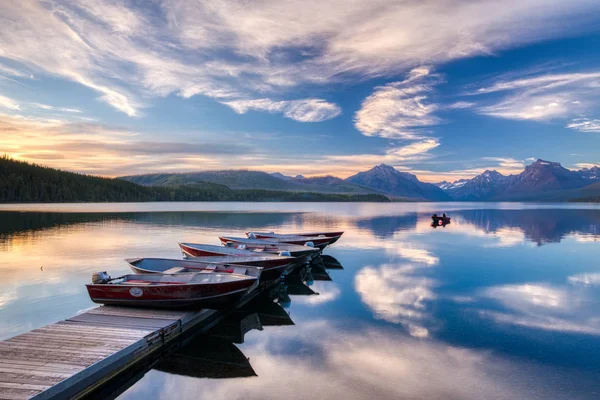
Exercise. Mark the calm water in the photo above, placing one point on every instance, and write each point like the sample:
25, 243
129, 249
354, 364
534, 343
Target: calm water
501, 304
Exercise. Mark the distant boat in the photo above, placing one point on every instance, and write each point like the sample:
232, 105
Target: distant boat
174, 266
208, 289
268, 246
334, 236
440, 220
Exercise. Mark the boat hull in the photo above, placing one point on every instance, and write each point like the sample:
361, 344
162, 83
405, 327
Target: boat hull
170, 296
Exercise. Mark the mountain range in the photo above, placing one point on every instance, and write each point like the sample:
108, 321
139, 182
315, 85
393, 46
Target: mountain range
541, 180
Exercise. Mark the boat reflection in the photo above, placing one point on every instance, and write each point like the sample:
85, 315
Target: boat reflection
440, 223
208, 357
330, 262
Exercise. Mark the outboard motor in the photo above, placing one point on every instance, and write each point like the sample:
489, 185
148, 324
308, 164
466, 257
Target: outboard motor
309, 244
100, 277
251, 235
285, 253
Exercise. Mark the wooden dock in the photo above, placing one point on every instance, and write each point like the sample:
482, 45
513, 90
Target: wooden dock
74, 357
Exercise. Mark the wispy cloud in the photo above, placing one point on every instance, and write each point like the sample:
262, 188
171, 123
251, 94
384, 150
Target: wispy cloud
52, 108
507, 163
9, 103
585, 124
303, 110
399, 110
545, 97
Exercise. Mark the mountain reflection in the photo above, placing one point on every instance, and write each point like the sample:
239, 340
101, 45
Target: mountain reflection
539, 226
385, 227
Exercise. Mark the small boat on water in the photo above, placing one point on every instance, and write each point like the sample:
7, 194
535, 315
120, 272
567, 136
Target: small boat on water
268, 246
205, 289
440, 220
174, 266
331, 236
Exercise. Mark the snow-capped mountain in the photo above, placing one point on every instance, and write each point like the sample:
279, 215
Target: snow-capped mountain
539, 177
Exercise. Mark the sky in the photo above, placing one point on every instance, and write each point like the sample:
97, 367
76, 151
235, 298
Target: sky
443, 89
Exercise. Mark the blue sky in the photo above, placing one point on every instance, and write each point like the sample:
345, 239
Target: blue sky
444, 89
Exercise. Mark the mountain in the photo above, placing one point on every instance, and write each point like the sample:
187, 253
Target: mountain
544, 176
244, 179
591, 174
280, 175
445, 185
388, 180
21, 182
482, 187
541, 180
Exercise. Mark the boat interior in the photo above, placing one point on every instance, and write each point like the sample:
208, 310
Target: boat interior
180, 279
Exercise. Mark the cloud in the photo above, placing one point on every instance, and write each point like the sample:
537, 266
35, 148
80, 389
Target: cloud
399, 109
592, 279
460, 105
105, 150
544, 97
232, 50
586, 165
585, 125
9, 71
8, 103
509, 163
413, 149
304, 110
52, 108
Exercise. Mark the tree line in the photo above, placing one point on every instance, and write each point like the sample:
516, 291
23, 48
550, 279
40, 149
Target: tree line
22, 182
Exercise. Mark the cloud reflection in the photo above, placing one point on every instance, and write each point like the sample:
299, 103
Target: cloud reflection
559, 308
396, 295
359, 364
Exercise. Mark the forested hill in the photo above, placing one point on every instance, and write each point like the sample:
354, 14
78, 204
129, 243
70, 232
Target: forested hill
21, 182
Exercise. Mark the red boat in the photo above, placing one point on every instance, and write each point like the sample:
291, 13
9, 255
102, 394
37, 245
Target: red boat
334, 236
173, 266
208, 289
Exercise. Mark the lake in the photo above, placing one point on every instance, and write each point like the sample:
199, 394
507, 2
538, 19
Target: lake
503, 303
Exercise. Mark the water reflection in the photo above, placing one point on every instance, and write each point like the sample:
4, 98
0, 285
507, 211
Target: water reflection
208, 357
538, 226
500, 304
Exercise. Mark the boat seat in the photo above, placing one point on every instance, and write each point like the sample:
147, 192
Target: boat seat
174, 270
